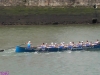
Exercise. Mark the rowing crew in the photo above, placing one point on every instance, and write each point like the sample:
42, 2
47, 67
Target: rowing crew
52, 45
71, 44
62, 44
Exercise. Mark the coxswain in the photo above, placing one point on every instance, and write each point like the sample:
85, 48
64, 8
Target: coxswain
29, 44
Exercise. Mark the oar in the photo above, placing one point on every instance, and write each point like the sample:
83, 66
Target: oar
10, 48
1, 50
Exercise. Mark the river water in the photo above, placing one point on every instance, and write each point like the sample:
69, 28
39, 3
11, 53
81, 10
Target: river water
59, 63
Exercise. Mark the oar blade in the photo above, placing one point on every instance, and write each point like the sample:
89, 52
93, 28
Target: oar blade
1, 50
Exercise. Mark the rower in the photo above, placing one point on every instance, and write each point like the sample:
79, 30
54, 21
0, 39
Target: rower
62, 45
87, 43
52, 45
46, 44
80, 44
70, 45
43, 45
97, 42
56, 45
29, 44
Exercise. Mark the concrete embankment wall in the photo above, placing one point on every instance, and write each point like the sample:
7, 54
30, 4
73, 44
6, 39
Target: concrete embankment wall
49, 2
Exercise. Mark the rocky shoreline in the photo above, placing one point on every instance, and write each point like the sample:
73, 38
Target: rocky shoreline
45, 19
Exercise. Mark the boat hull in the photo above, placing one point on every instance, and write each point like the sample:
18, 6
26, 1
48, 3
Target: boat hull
24, 49
89, 48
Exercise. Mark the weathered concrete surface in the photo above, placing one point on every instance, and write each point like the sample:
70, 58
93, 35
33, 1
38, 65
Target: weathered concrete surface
48, 2
46, 19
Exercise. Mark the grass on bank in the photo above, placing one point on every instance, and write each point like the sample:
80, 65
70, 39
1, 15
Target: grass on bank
21, 10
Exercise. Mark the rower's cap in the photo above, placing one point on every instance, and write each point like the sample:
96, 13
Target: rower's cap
63, 42
81, 41
51, 42
29, 41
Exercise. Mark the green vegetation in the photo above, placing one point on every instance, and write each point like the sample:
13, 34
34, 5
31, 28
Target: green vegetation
20, 10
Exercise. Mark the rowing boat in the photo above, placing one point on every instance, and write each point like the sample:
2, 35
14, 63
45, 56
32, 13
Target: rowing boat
55, 49
38, 49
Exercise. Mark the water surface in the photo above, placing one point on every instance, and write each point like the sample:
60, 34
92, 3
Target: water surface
59, 63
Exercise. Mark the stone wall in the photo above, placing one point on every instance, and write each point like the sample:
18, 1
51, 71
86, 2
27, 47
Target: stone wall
42, 19
49, 2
